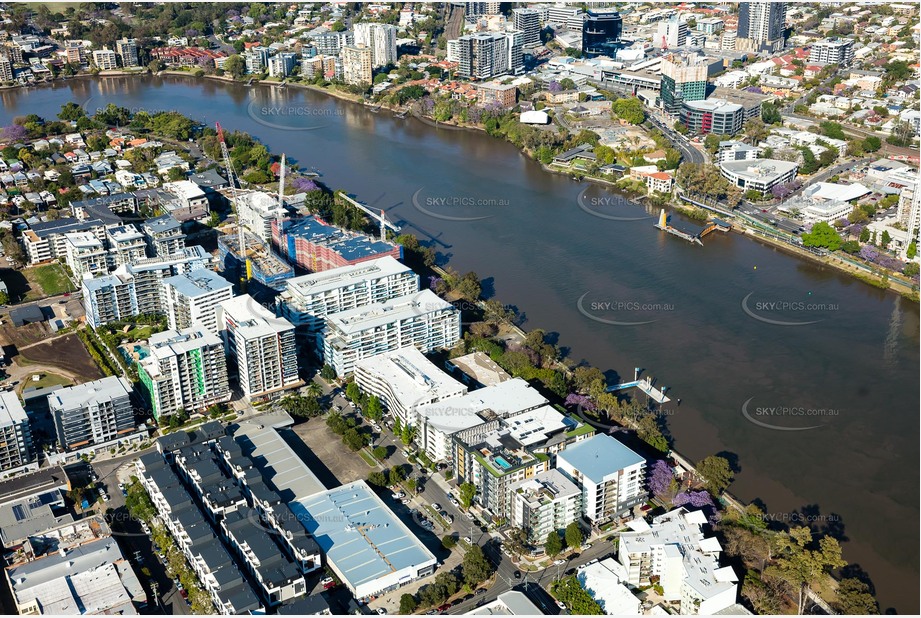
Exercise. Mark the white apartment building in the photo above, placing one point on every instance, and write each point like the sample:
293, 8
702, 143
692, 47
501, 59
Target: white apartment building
193, 298
105, 59
437, 423
306, 301
184, 369
257, 210
85, 254
94, 415
147, 275
164, 236
261, 345
403, 380
109, 298
127, 50
543, 504
356, 64
686, 563
758, 174
381, 39
612, 477
16, 450
421, 319
126, 245
833, 51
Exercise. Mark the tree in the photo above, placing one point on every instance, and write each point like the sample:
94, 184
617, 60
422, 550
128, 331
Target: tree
871, 144
832, 129
397, 475
885, 239
854, 597
822, 235
4, 298
466, 493
328, 373
756, 131
573, 535
864, 235
408, 604
629, 109
850, 246
379, 452
407, 434
300, 406
716, 472
800, 563
770, 113
662, 481
377, 478
554, 544
912, 250
235, 66
352, 392
175, 174
475, 567
448, 542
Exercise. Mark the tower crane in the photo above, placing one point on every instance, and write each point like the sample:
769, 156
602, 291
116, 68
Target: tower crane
246, 270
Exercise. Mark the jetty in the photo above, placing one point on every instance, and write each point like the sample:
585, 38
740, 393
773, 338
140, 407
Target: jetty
645, 385
690, 233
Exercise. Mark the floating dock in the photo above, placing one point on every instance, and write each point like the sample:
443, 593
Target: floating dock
645, 385
690, 233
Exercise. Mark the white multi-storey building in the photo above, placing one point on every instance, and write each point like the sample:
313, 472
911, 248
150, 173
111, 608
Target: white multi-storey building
381, 39
193, 298
674, 550
109, 299
184, 369
126, 245
105, 59
307, 300
257, 210
261, 345
16, 450
403, 380
833, 51
422, 320
93, 415
356, 64
543, 504
611, 476
164, 236
85, 254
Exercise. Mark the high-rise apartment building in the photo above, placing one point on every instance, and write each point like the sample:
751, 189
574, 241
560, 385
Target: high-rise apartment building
528, 22
105, 59
761, 26
422, 320
16, 449
184, 369
109, 298
127, 50
261, 346
601, 30
92, 414
833, 51
483, 55
381, 39
193, 298
357, 64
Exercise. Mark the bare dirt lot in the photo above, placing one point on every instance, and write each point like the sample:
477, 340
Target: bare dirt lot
326, 449
66, 353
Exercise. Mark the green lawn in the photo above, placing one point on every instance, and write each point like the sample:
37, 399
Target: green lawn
47, 379
368, 458
52, 279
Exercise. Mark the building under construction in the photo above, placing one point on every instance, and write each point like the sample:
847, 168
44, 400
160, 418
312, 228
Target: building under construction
313, 245
264, 266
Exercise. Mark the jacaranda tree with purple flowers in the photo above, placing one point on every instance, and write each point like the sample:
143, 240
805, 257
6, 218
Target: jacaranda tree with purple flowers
581, 401
693, 498
662, 482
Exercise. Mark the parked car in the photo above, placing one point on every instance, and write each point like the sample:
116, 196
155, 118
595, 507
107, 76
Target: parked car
479, 591
381, 610
517, 574
559, 562
444, 608
560, 604
468, 540
586, 546
469, 515
436, 506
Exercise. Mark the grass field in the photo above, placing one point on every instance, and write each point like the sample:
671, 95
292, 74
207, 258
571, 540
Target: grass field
47, 379
51, 278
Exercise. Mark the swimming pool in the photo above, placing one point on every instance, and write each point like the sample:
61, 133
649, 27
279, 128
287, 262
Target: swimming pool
502, 463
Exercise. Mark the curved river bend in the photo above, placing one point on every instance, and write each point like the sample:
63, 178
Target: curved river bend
757, 344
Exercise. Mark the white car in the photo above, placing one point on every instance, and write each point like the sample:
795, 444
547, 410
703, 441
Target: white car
559, 562
468, 540
326, 580
469, 515
381, 610
586, 546
561, 605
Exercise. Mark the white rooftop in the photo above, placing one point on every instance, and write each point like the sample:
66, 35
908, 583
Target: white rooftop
411, 376
759, 169
83, 240
604, 581
82, 395
835, 192
317, 283
394, 310
185, 189
533, 426
505, 399
511, 603
11, 410
251, 319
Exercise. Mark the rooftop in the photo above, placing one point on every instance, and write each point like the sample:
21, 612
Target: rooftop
511, 603
350, 245
504, 399
198, 282
250, 319
411, 376
759, 169
11, 410
718, 106
360, 535
545, 487
480, 368
599, 457
82, 395
324, 281
379, 314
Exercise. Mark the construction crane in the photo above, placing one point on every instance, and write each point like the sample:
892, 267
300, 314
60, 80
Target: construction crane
380, 218
246, 270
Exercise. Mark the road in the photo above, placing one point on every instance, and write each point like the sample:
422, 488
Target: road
688, 152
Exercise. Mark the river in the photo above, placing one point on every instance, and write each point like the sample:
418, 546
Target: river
804, 376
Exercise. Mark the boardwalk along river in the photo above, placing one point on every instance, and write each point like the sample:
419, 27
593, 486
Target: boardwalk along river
807, 376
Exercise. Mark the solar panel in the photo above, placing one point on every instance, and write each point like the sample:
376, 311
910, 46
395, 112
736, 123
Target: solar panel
19, 512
